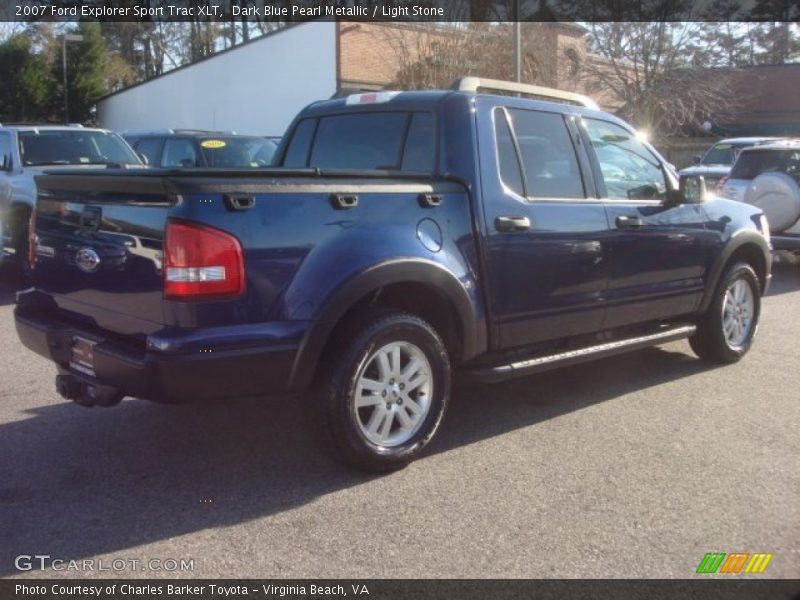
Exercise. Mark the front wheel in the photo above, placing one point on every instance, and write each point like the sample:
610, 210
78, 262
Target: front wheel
385, 391
725, 333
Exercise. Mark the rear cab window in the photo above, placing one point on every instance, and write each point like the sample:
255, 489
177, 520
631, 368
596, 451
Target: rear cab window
376, 140
755, 162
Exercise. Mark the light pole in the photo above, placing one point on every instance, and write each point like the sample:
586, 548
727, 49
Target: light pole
517, 44
67, 37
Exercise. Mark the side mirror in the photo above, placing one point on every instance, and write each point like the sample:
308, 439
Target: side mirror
697, 159
6, 163
692, 189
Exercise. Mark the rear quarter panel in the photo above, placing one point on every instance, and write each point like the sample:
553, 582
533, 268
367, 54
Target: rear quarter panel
299, 250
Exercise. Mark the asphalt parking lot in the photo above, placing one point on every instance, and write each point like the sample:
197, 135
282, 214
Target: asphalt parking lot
632, 466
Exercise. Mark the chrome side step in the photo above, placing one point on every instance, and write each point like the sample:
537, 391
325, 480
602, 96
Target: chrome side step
571, 357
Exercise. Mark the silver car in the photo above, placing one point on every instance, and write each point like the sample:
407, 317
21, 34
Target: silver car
28, 150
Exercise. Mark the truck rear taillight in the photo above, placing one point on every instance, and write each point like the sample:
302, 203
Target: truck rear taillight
201, 263
32, 239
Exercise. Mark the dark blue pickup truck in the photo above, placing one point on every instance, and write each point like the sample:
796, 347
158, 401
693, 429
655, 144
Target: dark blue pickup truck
400, 237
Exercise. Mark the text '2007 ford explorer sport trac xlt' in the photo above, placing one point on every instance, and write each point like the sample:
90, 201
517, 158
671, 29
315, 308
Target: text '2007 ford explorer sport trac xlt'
403, 236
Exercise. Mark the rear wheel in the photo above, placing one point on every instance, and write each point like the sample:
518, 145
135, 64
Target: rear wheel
725, 333
385, 391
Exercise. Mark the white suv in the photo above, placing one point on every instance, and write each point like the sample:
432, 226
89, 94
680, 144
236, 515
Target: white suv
768, 176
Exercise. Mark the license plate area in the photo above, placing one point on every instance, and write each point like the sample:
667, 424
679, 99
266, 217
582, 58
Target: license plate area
82, 358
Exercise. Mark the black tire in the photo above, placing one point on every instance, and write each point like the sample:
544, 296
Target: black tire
710, 341
338, 424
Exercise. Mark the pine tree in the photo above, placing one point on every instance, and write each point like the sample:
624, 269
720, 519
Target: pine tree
86, 74
23, 95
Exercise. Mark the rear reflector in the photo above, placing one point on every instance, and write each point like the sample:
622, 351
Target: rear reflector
201, 262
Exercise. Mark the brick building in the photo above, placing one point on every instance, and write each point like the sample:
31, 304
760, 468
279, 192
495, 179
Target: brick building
767, 101
372, 54
276, 75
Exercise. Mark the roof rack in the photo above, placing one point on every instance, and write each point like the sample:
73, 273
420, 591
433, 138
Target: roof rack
473, 84
178, 131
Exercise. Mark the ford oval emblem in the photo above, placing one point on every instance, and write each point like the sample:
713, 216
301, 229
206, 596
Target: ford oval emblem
87, 260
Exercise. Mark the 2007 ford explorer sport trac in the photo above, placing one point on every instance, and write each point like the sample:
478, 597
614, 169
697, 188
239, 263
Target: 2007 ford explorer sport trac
400, 237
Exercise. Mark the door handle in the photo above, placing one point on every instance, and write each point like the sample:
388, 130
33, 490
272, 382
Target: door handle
628, 222
512, 223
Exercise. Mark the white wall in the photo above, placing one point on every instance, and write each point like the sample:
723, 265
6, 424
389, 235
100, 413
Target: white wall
256, 89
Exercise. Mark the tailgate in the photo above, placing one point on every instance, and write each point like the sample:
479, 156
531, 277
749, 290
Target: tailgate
98, 248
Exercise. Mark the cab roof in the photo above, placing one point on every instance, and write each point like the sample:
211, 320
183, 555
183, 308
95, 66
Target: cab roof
427, 99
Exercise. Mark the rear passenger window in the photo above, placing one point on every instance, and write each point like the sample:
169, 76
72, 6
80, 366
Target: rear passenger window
548, 155
300, 144
510, 173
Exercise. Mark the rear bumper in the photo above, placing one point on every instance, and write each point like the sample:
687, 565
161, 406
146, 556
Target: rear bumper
202, 365
785, 242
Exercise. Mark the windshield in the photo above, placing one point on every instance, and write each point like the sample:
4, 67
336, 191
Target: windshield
721, 154
238, 152
74, 147
754, 163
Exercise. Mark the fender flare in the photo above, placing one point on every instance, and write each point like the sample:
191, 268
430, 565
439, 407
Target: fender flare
738, 239
409, 270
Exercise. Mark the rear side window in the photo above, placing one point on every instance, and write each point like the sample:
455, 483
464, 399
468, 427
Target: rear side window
548, 155
365, 141
510, 173
752, 163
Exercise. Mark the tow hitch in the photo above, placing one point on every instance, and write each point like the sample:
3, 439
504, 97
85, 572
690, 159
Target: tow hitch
87, 394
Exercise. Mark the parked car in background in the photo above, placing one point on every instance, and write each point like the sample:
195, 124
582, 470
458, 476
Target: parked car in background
189, 148
27, 150
768, 177
715, 164
401, 236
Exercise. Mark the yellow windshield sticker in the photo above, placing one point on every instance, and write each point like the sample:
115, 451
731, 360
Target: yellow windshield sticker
212, 144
